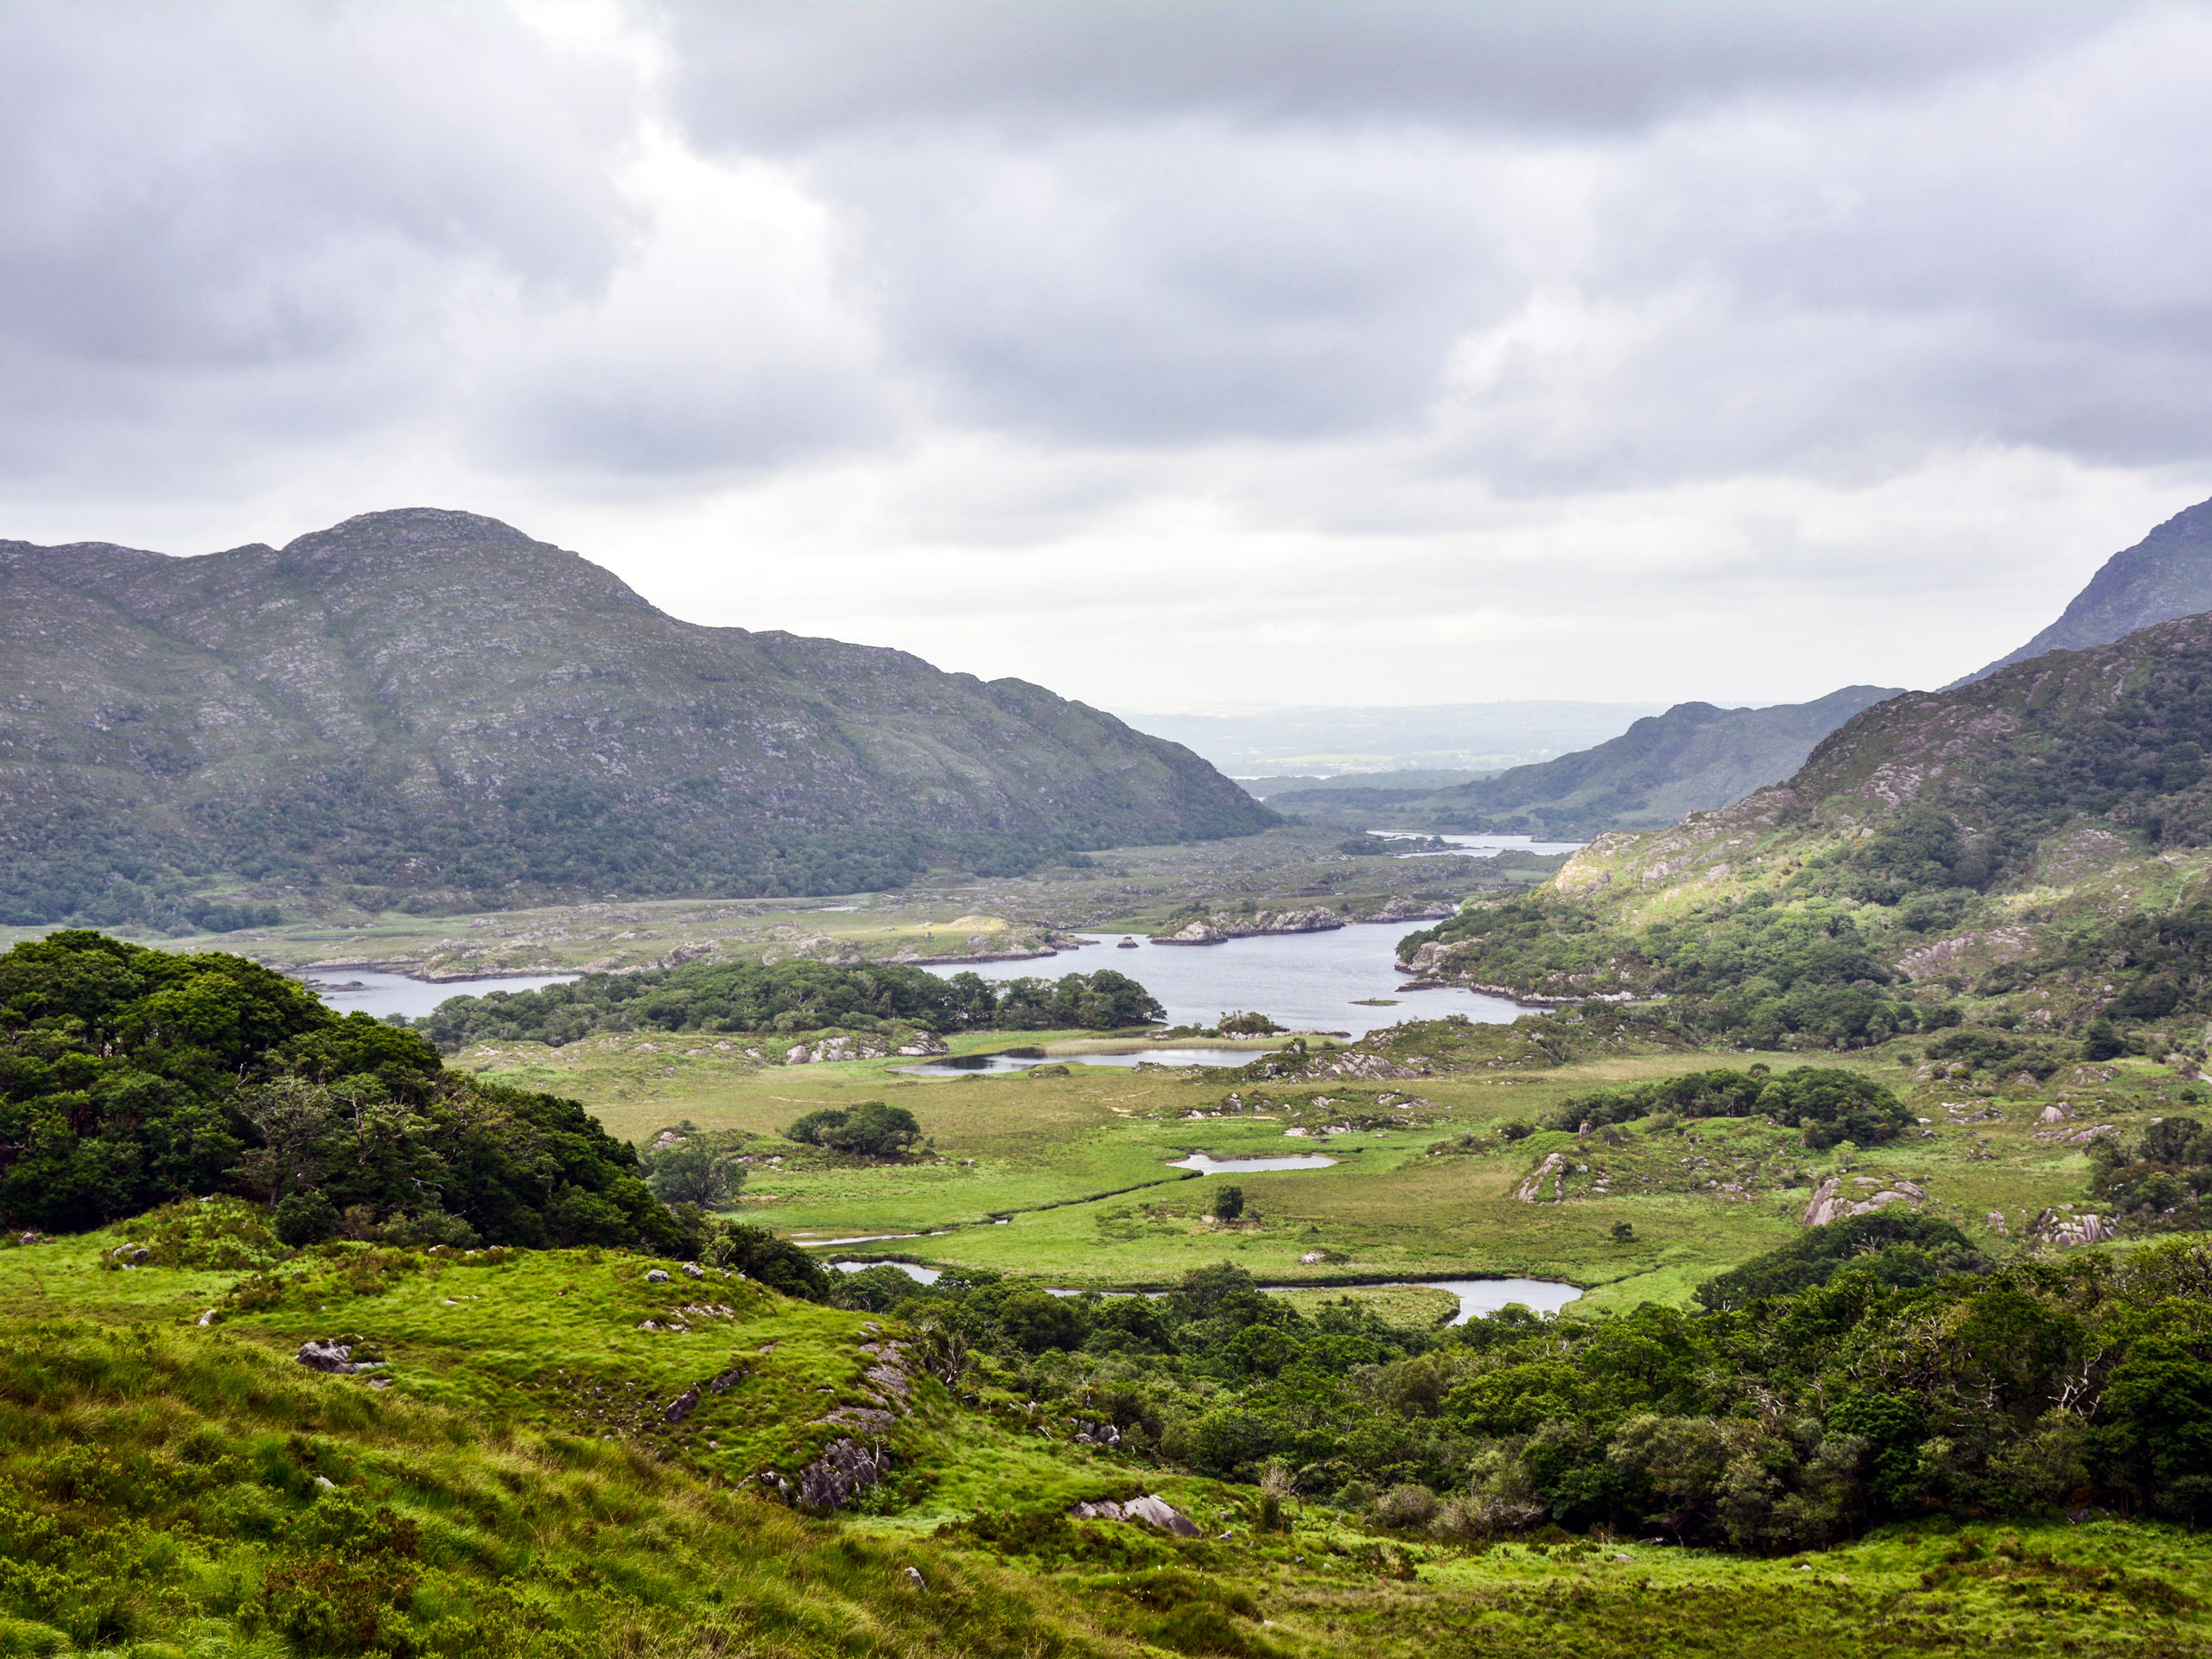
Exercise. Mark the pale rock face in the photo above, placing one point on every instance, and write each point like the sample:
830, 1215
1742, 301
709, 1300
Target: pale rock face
2067, 1232
1552, 1170
1830, 1203
1150, 1509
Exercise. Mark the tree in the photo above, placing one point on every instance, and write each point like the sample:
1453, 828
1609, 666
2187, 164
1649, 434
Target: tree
871, 1129
694, 1167
1229, 1204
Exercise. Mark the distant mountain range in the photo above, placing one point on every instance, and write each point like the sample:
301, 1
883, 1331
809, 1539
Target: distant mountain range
1462, 737
1691, 758
2166, 575
436, 708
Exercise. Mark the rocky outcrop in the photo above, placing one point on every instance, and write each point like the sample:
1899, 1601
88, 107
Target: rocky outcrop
842, 1473
1407, 908
334, 1357
2065, 1233
1216, 929
1830, 1202
1090, 1433
1552, 1170
1150, 1511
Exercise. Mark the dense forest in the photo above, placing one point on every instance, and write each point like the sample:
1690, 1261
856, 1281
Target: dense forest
1882, 1369
793, 996
131, 1077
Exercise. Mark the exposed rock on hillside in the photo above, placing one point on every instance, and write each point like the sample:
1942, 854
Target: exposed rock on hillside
424, 702
1215, 929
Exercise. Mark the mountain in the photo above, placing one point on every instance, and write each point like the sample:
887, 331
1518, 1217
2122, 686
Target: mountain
2165, 575
2040, 840
1693, 757
432, 705
1473, 737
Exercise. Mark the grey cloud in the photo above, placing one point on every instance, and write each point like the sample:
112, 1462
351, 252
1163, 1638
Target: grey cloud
2009, 252
795, 73
231, 209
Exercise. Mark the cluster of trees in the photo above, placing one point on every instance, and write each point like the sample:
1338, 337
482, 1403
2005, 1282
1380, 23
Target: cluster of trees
131, 1077
799, 994
1900, 1375
2161, 1178
871, 1129
1826, 1104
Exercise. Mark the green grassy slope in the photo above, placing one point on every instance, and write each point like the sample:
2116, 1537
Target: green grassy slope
175, 1489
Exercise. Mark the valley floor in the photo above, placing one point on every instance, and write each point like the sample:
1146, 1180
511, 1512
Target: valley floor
1068, 1178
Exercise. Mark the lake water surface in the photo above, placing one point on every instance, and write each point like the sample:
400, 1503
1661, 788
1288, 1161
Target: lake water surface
1021, 1059
1308, 982
1206, 1165
1477, 1297
357, 990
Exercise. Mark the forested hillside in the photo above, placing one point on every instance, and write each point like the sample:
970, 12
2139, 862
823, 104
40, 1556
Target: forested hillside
2036, 841
432, 708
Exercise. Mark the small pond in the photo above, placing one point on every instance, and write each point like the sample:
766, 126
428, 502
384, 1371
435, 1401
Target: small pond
1020, 1059
913, 1270
1206, 1165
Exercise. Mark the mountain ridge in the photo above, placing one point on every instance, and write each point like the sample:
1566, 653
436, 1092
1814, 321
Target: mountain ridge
431, 702
1694, 757
2165, 577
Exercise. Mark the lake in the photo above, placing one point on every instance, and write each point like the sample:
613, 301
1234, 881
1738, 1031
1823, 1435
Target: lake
1308, 982
1477, 1297
1483, 846
1020, 1059
1206, 1165
357, 990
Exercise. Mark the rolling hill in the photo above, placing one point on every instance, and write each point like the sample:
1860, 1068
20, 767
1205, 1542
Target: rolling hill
432, 705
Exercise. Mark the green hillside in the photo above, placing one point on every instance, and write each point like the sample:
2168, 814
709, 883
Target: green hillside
1691, 758
2029, 850
430, 707
2165, 575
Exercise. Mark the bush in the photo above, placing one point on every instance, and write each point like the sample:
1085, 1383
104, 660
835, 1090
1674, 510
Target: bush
306, 1218
1826, 1103
1897, 1245
1405, 1508
871, 1129
1229, 1204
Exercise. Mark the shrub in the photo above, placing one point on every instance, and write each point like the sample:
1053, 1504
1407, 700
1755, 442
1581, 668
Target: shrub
871, 1129
1404, 1508
1229, 1204
306, 1218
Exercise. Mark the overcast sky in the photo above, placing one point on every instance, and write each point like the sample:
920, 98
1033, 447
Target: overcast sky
1176, 354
